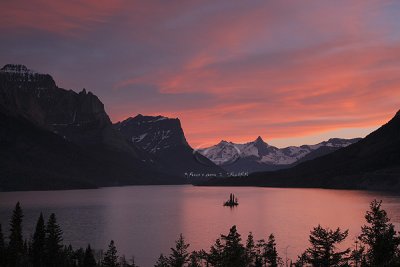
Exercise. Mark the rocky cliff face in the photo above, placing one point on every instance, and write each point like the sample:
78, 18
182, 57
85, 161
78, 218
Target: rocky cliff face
164, 139
153, 133
56, 138
77, 117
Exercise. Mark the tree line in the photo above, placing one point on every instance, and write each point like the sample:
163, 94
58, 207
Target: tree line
377, 245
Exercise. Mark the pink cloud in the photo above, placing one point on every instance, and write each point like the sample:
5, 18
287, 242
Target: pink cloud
277, 69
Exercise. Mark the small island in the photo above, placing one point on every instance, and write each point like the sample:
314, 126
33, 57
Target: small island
232, 202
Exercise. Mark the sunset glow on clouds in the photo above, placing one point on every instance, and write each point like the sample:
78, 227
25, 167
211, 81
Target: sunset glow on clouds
290, 71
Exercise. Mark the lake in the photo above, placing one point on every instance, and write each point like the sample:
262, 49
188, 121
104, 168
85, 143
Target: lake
145, 220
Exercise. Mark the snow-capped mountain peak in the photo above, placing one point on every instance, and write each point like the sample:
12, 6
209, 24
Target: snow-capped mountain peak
260, 153
259, 140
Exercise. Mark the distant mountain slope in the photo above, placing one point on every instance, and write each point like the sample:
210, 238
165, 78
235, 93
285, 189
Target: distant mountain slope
163, 138
258, 156
54, 138
371, 163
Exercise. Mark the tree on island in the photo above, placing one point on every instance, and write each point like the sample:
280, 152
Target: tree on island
233, 201
323, 251
380, 237
110, 257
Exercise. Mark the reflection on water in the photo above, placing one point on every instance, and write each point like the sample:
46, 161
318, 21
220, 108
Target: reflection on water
145, 220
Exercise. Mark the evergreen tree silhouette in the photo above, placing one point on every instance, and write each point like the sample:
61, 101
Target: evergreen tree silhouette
16, 243
2, 248
38, 243
79, 256
53, 243
110, 257
67, 256
215, 257
89, 260
179, 255
250, 250
380, 237
271, 255
260, 252
323, 247
162, 261
195, 259
234, 252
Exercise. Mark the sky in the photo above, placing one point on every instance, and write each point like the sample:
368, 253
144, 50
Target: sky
292, 72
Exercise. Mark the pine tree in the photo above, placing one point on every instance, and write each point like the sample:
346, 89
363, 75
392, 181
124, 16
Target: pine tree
215, 256
79, 257
234, 253
379, 236
250, 250
110, 257
301, 260
88, 259
357, 254
194, 259
162, 261
67, 256
323, 247
2, 248
16, 243
260, 253
53, 242
38, 243
179, 255
271, 255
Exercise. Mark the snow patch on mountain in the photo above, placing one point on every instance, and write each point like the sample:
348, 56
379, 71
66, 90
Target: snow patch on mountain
17, 69
153, 133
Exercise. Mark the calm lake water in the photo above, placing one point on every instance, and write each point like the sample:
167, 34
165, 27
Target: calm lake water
145, 220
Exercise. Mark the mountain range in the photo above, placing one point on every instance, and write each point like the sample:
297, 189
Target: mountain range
258, 156
53, 138
371, 163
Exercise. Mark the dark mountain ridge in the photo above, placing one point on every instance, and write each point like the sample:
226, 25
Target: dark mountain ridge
82, 148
